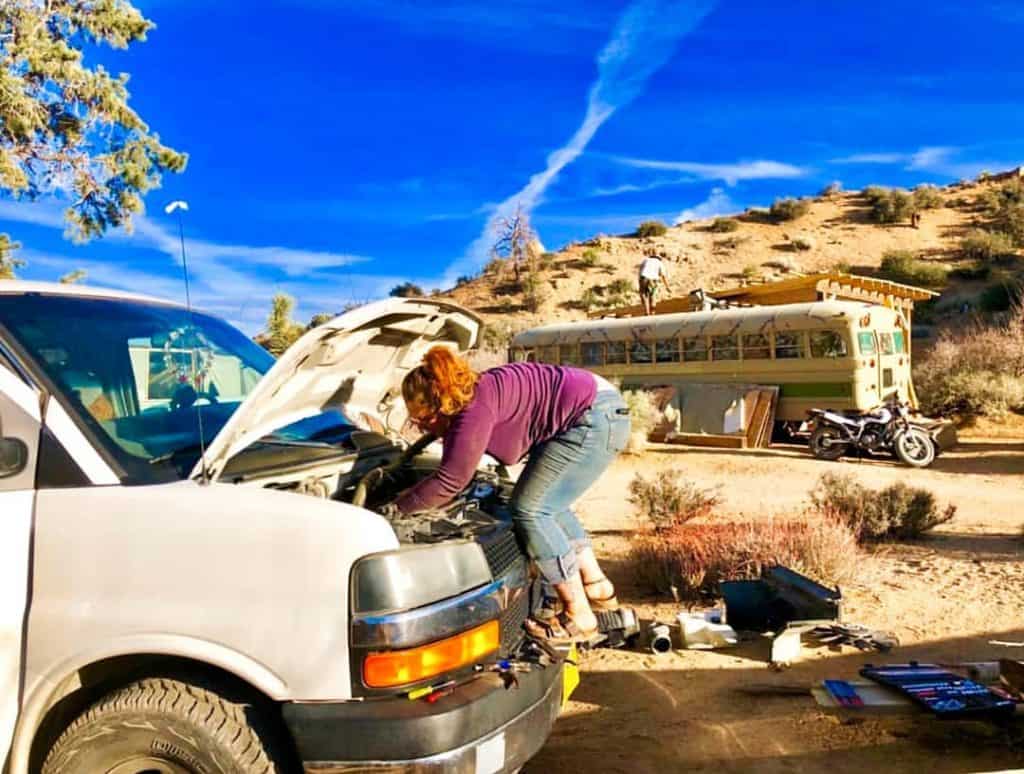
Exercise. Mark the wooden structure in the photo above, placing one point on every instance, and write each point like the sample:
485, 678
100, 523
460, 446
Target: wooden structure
799, 289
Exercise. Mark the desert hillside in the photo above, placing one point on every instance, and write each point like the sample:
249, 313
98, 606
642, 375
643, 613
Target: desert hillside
837, 231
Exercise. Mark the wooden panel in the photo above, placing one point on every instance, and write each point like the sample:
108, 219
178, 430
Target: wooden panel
715, 441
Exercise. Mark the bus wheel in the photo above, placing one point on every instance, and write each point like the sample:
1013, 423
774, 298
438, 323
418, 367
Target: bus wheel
827, 443
914, 447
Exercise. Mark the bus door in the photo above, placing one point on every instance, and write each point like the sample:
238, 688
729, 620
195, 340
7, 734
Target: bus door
870, 367
889, 370
20, 425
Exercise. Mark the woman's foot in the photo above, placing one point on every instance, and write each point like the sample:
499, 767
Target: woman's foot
601, 594
563, 630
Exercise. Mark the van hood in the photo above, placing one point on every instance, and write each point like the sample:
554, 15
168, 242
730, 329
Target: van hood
354, 363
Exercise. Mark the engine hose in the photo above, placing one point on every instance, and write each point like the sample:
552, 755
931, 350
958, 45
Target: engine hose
374, 476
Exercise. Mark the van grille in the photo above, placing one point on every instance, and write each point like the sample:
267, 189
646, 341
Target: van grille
502, 551
512, 620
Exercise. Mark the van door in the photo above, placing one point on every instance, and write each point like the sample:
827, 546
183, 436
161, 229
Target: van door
19, 442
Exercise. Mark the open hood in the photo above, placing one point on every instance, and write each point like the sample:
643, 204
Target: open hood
354, 363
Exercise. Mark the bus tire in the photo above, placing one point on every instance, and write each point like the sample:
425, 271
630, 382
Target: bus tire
914, 447
167, 726
826, 443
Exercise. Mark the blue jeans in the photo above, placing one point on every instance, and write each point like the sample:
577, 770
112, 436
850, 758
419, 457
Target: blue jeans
557, 473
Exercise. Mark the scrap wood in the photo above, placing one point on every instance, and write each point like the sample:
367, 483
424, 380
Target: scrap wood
1006, 644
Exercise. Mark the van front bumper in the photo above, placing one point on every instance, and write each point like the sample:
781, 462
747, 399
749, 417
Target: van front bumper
481, 727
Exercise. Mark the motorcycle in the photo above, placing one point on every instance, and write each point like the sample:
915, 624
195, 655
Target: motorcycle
884, 430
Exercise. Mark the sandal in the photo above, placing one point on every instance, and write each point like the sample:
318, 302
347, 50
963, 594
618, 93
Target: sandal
602, 603
562, 630
549, 608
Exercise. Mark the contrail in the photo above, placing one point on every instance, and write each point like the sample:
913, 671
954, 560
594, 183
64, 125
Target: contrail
644, 39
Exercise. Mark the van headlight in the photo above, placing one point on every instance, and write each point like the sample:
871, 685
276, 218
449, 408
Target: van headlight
411, 577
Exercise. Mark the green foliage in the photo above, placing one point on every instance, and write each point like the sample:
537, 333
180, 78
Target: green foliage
497, 336
319, 319
73, 277
68, 127
533, 292
842, 267
892, 206
973, 271
984, 246
927, 197
590, 257
1009, 194
407, 290
1001, 296
975, 371
904, 266
874, 192
8, 261
724, 225
692, 558
281, 331
730, 243
547, 261
464, 279
802, 244
897, 512
1010, 220
495, 265
620, 287
651, 228
669, 499
788, 209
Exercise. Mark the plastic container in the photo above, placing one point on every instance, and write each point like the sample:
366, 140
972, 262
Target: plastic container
700, 634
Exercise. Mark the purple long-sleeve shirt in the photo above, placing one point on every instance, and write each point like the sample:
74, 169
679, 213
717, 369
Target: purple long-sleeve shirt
515, 408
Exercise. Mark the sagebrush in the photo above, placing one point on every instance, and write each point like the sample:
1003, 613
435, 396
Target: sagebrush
898, 511
668, 499
693, 558
984, 246
724, 225
651, 228
788, 209
904, 266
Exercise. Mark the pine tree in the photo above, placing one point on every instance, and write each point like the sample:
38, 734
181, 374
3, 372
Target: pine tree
65, 127
8, 263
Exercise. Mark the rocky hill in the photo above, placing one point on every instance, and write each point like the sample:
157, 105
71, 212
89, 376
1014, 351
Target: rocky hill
837, 230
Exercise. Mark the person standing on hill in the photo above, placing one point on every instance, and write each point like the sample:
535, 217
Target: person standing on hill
651, 271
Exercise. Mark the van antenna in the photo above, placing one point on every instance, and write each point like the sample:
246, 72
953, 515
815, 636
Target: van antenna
179, 207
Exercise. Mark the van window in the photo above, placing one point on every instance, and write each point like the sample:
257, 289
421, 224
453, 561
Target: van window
866, 342
789, 345
547, 354
592, 353
695, 350
900, 342
725, 348
885, 343
756, 347
616, 352
640, 352
569, 354
667, 351
828, 344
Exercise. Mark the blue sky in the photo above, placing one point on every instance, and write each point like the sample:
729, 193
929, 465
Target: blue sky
339, 147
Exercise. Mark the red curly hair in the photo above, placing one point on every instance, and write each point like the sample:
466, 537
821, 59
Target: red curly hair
444, 382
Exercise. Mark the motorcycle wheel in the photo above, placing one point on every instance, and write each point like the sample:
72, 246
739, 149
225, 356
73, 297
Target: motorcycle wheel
914, 447
827, 443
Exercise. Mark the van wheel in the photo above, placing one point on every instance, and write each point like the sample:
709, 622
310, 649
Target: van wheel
164, 726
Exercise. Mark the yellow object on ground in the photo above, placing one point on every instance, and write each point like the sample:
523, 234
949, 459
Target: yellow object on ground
570, 674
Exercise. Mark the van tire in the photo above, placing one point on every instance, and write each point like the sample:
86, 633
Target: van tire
167, 726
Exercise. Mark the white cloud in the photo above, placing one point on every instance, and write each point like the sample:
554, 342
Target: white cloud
871, 158
728, 173
939, 160
644, 39
718, 203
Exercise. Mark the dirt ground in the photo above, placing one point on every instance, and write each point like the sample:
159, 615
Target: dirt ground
946, 598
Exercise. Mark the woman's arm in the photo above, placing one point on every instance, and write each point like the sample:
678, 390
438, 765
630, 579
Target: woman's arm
464, 445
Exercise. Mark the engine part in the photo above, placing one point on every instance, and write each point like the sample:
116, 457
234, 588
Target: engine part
659, 637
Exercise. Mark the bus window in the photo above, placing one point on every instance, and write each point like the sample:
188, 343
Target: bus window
547, 354
569, 354
756, 347
516, 355
828, 344
789, 346
866, 342
640, 352
900, 342
885, 343
667, 351
725, 348
531, 356
695, 350
592, 353
616, 353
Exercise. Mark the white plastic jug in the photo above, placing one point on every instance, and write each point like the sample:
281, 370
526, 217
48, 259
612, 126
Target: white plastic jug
701, 634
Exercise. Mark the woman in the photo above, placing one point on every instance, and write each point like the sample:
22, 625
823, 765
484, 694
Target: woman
571, 424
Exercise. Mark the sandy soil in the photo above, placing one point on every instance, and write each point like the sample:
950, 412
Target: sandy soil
945, 597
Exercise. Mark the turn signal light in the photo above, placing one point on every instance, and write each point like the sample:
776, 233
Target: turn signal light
402, 667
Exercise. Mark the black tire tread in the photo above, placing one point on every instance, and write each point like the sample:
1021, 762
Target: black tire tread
224, 720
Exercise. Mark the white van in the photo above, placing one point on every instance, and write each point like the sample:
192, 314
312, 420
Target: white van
185, 583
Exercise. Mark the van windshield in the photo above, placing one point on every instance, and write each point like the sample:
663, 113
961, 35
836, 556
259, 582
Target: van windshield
138, 375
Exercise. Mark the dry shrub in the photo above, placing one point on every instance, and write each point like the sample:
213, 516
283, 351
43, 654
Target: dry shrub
668, 500
693, 558
904, 266
980, 245
899, 511
975, 372
643, 412
788, 209
724, 225
651, 228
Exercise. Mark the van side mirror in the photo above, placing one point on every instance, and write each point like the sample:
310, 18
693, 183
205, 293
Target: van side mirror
13, 457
